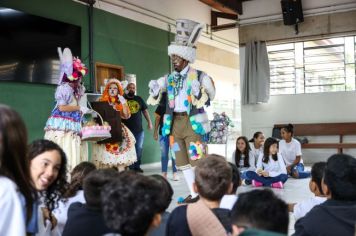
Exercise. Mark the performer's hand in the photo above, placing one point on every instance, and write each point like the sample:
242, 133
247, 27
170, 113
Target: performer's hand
154, 88
149, 126
84, 110
195, 87
121, 99
155, 135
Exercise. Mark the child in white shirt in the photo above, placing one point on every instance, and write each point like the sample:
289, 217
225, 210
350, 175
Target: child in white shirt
271, 170
302, 208
228, 200
243, 158
256, 144
291, 151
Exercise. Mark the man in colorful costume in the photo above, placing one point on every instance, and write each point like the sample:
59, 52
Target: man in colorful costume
188, 90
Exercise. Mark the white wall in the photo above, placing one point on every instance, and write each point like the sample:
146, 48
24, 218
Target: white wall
301, 108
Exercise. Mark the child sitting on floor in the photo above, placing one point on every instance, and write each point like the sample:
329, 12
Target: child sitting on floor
244, 158
229, 199
271, 170
302, 208
212, 182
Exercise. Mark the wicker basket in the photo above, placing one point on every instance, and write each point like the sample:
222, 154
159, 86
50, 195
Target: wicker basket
97, 132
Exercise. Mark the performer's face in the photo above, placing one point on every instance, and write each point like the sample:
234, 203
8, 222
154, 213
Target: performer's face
178, 63
113, 90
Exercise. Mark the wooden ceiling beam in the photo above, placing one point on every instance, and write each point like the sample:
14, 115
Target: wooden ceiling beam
226, 6
214, 15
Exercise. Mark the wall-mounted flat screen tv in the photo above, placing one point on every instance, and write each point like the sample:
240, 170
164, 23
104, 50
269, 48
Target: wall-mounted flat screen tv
28, 46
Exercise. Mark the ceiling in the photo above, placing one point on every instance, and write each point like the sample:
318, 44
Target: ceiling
226, 6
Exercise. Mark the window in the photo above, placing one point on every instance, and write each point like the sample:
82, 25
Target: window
317, 66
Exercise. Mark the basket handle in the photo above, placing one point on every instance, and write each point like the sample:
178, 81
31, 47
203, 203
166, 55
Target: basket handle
91, 111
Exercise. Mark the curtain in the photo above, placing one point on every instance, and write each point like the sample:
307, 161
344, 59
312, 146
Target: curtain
256, 77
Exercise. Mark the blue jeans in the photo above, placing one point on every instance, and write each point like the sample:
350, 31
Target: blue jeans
138, 146
266, 181
164, 145
299, 168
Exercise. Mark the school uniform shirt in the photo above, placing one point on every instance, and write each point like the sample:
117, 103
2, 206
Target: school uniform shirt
255, 151
240, 165
274, 168
62, 211
302, 208
290, 151
177, 224
332, 217
228, 201
12, 215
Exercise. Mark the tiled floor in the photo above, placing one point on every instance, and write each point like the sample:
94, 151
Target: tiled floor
294, 190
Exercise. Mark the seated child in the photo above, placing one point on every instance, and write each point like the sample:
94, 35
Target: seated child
337, 215
213, 177
229, 199
74, 192
291, 151
302, 208
131, 204
165, 198
270, 170
244, 158
87, 219
259, 209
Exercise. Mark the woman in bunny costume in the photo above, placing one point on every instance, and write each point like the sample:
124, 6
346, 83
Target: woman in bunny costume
63, 126
120, 154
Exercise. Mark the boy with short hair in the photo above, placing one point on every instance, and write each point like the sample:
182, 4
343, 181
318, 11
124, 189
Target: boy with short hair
212, 182
87, 219
337, 215
130, 204
262, 210
302, 208
230, 198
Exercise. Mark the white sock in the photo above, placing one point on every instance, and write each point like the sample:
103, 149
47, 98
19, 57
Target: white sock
189, 176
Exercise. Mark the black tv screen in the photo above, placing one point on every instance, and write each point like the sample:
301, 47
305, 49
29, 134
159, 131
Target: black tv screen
28, 46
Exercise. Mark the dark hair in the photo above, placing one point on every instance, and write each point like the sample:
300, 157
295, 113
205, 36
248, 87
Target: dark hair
317, 173
55, 191
77, 176
288, 128
130, 203
255, 136
268, 143
213, 177
166, 192
94, 183
339, 176
245, 152
261, 209
236, 179
13, 149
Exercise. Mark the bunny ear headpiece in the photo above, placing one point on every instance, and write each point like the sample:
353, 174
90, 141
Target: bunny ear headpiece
72, 69
187, 36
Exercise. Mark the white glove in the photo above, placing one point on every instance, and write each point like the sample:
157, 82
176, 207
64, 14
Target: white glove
121, 99
154, 88
84, 110
195, 88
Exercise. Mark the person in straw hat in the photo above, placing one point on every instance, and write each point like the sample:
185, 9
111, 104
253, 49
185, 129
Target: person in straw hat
188, 91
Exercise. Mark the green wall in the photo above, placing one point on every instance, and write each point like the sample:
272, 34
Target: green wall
140, 48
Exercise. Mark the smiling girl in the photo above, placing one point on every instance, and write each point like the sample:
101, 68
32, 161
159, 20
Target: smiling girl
48, 167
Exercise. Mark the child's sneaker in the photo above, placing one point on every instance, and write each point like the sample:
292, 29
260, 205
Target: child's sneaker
256, 183
278, 184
